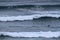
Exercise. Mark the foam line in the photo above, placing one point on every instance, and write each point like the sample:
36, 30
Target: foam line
48, 34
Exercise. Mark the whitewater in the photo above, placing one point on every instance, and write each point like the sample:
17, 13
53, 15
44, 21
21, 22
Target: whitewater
26, 17
30, 20
48, 34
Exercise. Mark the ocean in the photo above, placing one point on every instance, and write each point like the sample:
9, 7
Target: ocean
29, 20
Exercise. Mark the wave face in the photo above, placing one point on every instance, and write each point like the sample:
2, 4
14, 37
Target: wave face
26, 17
48, 34
29, 6
17, 6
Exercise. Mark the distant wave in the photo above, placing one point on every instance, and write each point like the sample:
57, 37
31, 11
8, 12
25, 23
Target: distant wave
28, 6
48, 34
17, 6
26, 17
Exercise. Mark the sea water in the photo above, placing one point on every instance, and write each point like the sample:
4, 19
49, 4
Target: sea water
30, 22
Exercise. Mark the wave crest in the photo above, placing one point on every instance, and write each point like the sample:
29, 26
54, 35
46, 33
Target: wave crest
48, 34
26, 17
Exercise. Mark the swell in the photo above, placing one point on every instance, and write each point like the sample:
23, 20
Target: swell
27, 17
48, 34
17, 6
28, 6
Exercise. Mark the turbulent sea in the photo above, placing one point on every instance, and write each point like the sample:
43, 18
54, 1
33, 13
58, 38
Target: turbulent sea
30, 22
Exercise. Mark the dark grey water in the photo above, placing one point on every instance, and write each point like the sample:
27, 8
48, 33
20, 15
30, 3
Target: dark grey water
9, 38
31, 26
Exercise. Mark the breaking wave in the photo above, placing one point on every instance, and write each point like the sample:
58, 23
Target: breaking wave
48, 34
26, 17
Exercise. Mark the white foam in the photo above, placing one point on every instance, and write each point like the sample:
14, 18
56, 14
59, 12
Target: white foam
26, 17
48, 34
45, 12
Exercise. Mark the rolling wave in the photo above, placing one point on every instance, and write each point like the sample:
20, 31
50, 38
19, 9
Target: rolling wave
17, 6
28, 6
26, 17
48, 34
